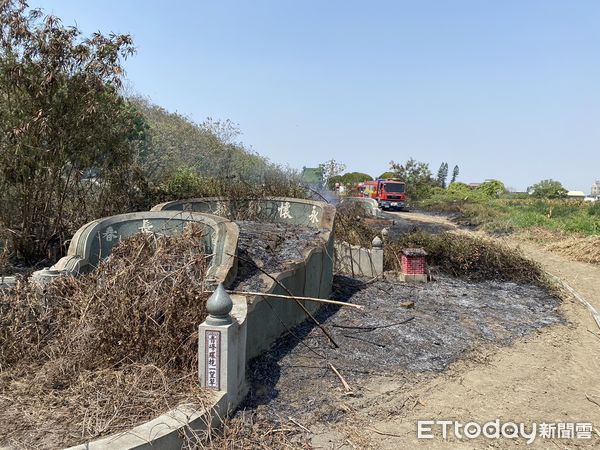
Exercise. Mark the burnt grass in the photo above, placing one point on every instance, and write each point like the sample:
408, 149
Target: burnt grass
272, 247
450, 318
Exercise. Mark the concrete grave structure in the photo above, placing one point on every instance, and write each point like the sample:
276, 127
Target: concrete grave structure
95, 240
294, 211
268, 319
368, 204
7, 282
359, 261
238, 327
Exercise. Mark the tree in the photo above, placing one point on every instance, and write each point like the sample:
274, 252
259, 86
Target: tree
386, 175
330, 169
61, 117
211, 148
348, 179
455, 173
442, 175
492, 188
458, 189
416, 175
547, 189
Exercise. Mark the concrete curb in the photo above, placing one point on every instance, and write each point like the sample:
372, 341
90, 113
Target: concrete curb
171, 430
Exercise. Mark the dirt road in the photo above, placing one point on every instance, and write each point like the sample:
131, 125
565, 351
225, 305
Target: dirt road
550, 377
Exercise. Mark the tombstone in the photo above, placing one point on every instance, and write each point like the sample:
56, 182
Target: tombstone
283, 210
94, 241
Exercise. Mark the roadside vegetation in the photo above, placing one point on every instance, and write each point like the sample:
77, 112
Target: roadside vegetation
544, 215
508, 214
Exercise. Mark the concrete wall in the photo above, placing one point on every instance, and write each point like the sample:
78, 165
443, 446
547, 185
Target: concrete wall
269, 318
358, 261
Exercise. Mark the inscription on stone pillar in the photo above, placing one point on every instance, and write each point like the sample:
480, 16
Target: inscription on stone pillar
213, 360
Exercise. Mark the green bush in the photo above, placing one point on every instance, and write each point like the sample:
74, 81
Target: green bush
492, 188
594, 210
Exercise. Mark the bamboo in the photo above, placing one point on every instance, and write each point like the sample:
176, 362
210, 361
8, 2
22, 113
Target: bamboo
344, 382
306, 311
297, 297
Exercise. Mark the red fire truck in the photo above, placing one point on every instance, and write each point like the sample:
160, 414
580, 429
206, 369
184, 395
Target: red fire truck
390, 193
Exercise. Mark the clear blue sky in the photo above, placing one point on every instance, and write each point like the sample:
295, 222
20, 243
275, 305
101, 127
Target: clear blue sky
505, 89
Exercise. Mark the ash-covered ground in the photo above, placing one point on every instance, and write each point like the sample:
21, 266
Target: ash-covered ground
272, 247
450, 317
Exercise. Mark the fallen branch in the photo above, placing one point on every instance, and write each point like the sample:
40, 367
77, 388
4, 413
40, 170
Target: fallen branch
371, 328
592, 400
297, 297
306, 311
295, 422
339, 375
279, 430
384, 434
351, 336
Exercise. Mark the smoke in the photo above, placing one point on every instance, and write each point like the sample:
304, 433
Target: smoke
322, 194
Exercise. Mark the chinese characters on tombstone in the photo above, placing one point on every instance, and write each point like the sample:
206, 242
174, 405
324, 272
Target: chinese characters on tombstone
213, 359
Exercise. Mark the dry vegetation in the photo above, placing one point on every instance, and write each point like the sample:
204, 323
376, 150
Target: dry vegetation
351, 227
249, 430
469, 257
576, 247
458, 255
103, 352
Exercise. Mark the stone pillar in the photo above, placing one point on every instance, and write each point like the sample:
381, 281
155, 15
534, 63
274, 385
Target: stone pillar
377, 256
222, 349
41, 278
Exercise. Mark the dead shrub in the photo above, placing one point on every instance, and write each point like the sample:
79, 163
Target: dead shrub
351, 225
465, 256
100, 353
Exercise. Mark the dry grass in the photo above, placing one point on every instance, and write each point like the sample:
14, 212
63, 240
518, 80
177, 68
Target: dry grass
253, 431
469, 257
458, 255
5, 266
103, 352
576, 247
351, 225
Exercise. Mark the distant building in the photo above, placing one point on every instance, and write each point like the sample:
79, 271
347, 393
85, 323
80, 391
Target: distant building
595, 189
474, 185
575, 195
